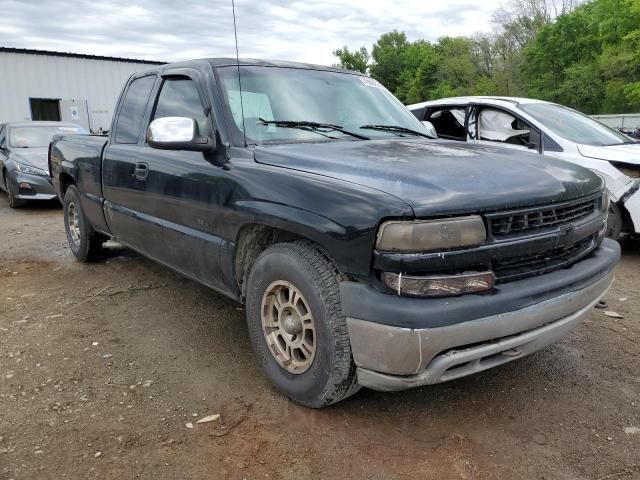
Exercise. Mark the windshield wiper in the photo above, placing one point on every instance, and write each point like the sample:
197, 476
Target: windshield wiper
316, 127
395, 128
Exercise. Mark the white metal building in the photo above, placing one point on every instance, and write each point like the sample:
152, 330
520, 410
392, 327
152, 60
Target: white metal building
43, 85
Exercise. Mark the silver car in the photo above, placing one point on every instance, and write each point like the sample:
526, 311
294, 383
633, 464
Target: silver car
550, 129
24, 146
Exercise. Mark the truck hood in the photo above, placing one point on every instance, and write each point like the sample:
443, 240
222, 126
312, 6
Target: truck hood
439, 177
627, 153
36, 157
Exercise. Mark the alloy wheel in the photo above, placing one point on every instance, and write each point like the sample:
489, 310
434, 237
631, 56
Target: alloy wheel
73, 220
288, 327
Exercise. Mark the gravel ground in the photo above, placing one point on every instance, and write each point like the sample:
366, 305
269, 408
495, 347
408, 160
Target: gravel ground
103, 366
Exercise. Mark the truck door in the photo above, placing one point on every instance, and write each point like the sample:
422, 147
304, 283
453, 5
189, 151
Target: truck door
122, 177
183, 189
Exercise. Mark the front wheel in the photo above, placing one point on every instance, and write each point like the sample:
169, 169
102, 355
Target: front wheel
85, 242
296, 324
14, 201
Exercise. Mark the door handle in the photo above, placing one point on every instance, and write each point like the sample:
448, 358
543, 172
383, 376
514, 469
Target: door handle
142, 171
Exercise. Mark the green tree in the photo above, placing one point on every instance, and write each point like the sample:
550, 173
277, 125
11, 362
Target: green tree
357, 60
588, 58
388, 59
582, 54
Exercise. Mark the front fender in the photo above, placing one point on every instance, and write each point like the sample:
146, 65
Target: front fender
347, 246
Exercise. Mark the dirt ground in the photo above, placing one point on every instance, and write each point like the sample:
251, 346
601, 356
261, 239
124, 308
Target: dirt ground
102, 366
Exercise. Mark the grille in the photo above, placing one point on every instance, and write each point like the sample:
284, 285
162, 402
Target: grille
543, 217
536, 264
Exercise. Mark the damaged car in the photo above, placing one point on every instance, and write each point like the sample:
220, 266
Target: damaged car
24, 172
550, 129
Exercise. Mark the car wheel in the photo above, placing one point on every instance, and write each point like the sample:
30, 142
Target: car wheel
14, 202
614, 222
296, 324
85, 242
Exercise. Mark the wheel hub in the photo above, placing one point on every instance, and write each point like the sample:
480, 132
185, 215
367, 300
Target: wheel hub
288, 327
291, 324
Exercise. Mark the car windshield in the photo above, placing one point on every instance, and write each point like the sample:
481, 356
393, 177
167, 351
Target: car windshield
40, 136
573, 126
342, 100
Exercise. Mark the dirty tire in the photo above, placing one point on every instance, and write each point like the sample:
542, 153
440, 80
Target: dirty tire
11, 194
614, 222
88, 244
331, 377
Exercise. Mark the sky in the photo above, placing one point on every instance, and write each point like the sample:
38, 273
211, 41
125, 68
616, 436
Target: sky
295, 30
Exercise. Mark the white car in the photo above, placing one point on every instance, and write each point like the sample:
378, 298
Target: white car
550, 129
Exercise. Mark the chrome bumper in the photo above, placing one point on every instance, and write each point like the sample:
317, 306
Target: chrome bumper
393, 358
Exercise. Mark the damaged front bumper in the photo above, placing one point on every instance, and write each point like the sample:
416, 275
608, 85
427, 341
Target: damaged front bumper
32, 187
399, 343
631, 202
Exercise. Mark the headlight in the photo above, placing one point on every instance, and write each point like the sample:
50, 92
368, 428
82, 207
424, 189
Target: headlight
30, 170
429, 235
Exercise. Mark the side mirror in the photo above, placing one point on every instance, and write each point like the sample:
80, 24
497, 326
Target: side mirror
177, 133
431, 130
532, 146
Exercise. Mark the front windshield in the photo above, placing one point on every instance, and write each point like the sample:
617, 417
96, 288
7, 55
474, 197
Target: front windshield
294, 94
40, 136
574, 126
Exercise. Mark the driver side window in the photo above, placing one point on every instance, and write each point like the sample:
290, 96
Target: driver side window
3, 136
448, 122
496, 125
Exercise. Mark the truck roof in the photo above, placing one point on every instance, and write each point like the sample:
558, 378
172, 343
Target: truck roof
231, 61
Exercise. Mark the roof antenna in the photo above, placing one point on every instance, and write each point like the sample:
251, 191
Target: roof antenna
235, 32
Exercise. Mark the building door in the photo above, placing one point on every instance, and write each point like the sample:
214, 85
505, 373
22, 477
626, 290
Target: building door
75, 111
45, 109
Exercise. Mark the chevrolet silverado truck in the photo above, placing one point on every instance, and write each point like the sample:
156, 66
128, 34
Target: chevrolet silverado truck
366, 253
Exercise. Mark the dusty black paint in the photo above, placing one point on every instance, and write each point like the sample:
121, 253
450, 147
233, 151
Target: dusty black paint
190, 210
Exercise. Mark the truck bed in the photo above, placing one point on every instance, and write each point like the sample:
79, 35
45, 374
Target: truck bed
80, 157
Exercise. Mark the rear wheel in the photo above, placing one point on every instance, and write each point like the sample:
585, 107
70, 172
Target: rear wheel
14, 201
85, 242
614, 222
296, 324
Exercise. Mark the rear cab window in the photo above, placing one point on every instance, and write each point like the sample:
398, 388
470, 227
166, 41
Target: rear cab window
131, 115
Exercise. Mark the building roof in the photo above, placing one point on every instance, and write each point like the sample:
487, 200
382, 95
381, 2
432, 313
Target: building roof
42, 123
29, 51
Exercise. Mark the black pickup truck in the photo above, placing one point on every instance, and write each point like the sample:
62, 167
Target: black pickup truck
365, 253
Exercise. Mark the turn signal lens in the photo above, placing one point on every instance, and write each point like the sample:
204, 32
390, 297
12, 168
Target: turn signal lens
439, 285
429, 235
